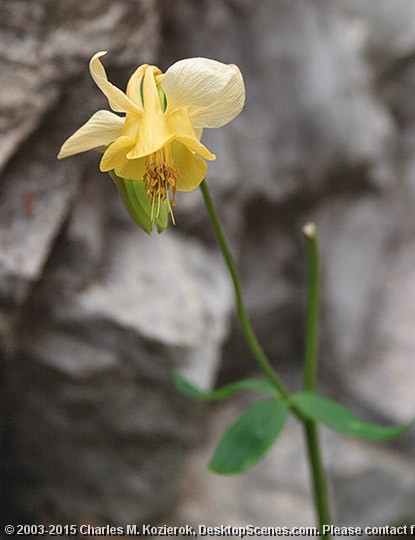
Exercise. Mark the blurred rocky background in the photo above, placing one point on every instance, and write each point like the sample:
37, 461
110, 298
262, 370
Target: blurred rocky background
95, 316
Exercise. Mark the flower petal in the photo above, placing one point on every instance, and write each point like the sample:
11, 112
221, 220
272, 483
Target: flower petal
115, 155
195, 146
133, 169
194, 82
192, 168
180, 125
198, 132
117, 100
153, 132
131, 125
134, 85
101, 129
227, 105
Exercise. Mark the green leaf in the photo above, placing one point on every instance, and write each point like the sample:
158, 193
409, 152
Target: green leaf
339, 418
163, 218
137, 207
139, 193
132, 203
138, 204
249, 438
257, 385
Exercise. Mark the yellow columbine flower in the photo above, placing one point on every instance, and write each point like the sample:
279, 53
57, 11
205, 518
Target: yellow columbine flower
157, 142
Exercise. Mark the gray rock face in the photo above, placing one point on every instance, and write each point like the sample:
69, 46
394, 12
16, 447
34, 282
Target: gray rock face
95, 316
97, 380
44, 54
45, 44
327, 135
313, 131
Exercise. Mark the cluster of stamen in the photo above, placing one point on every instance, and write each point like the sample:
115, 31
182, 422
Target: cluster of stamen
160, 178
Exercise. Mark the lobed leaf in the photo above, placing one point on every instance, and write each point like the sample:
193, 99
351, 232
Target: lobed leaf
339, 418
249, 438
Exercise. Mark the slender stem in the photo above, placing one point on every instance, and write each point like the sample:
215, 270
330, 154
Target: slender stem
312, 325
317, 475
314, 454
247, 329
310, 378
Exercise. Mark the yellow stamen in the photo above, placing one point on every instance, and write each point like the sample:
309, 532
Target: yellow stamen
160, 177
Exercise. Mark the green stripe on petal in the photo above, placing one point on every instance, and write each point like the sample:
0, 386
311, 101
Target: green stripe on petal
153, 132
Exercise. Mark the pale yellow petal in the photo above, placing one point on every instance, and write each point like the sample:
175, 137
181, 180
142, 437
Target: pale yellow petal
198, 132
131, 125
227, 105
180, 125
101, 129
194, 82
133, 169
117, 100
192, 169
115, 155
134, 84
195, 146
153, 132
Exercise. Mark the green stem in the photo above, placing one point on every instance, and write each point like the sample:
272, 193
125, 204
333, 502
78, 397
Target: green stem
247, 329
317, 476
314, 454
310, 378
312, 326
